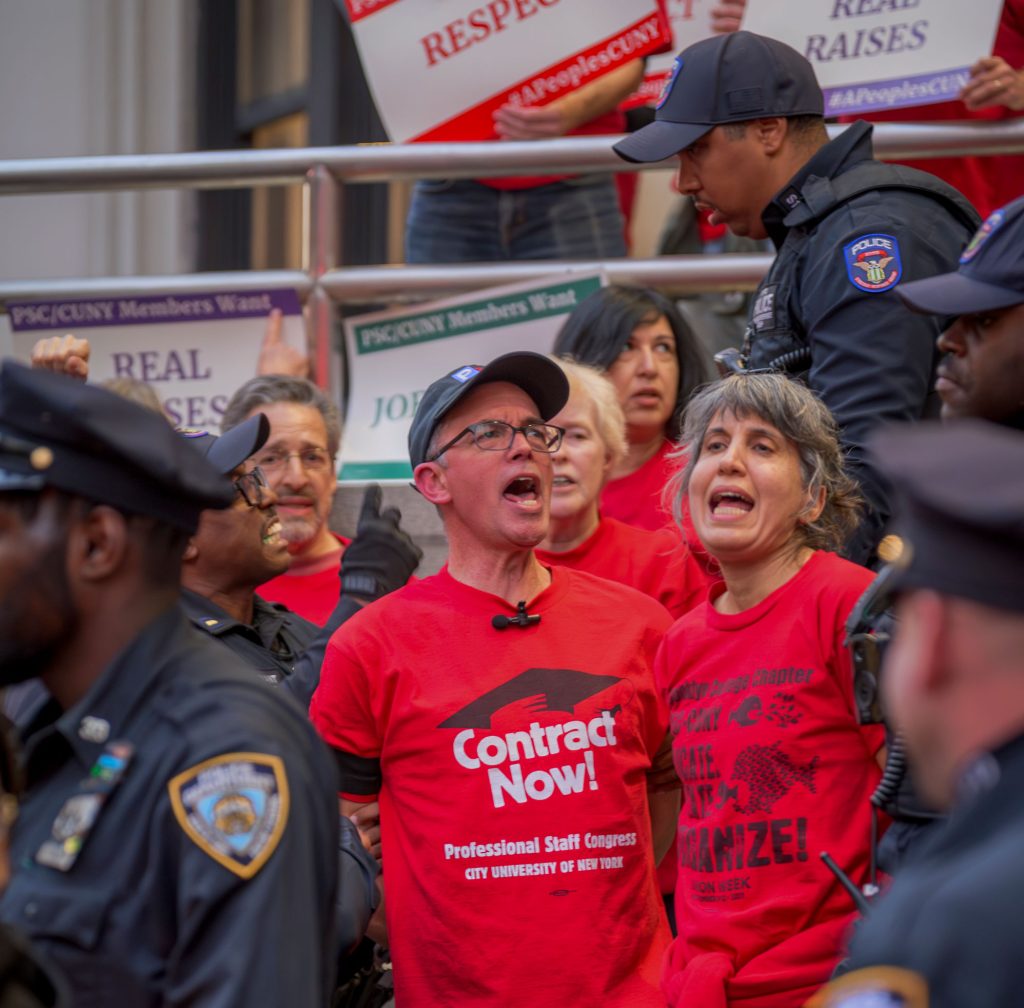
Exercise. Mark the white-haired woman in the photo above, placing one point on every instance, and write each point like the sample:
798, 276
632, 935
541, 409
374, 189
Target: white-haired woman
774, 764
579, 536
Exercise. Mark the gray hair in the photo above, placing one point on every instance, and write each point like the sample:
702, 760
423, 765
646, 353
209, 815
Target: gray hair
801, 418
595, 386
266, 389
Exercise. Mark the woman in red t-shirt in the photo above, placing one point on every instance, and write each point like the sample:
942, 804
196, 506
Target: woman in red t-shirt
774, 764
639, 339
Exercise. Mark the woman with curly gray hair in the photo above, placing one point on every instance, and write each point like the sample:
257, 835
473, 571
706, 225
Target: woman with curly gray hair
774, 764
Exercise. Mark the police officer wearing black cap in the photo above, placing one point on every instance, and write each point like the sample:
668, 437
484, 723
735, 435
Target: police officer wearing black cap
238, 548
744, 115
981, 373
947, 933
177, 843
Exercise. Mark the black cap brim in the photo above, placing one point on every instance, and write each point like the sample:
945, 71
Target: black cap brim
659, 140
230, 450
956, 294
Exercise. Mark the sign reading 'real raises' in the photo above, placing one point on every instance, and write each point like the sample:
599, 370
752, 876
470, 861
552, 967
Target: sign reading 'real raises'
881, 54
439, 69
194, 349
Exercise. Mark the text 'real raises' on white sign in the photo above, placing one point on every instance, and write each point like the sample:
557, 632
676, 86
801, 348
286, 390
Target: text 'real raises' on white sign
880, 54
439, 69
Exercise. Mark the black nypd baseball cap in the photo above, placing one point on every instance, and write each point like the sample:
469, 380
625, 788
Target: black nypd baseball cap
538, 376
726, 78
230, 450
59, 432
957, 539
990, 274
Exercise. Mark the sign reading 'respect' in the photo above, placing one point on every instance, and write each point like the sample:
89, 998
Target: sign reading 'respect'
439, 69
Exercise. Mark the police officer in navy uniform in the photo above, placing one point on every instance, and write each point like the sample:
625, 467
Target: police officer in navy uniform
947, 934
744, 115
177, 843
238, 548
981, 371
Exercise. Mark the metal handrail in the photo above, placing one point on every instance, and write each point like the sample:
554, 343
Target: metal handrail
383, 162
324, 170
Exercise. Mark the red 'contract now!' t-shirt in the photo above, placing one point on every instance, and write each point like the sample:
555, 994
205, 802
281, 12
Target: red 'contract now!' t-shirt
512, 765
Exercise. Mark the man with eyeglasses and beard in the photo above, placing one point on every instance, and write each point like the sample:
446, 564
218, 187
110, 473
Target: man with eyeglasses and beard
298, 461
506, 714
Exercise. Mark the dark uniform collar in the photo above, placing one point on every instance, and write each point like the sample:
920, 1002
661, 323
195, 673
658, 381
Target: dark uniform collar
267, 618
100, 716
787, 208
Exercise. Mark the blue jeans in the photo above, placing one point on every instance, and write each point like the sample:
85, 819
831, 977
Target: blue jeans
466, 221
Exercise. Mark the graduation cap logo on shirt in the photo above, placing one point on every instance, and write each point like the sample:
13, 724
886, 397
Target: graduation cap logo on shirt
560, 689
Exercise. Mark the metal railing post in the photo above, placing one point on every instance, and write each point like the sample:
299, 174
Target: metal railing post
321, 206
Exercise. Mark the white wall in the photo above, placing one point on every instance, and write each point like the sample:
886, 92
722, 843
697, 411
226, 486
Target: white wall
84, 77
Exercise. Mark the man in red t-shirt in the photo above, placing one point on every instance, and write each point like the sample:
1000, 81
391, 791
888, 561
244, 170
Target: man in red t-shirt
506, 715
299, 463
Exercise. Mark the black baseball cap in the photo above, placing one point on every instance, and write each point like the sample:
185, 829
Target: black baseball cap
726, 78
958, 488
990, 274
59, 432
230, 450
538, 376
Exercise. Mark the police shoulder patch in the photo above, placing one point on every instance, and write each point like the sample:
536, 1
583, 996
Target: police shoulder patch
873, 262
233, 807
874, 987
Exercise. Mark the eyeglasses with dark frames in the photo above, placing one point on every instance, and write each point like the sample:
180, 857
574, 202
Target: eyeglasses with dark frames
496, 435
251, 485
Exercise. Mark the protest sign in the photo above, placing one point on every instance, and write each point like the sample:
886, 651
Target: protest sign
690, 21
439, 70
193, 349
881, 54
394, 355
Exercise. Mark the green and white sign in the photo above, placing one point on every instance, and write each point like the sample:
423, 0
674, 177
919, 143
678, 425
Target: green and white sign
394, 355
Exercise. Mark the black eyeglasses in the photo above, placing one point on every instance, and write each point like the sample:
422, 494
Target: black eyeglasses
251, 485
496, 435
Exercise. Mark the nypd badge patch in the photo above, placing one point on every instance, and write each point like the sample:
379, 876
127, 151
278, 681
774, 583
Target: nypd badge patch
233, 807
874, 987
873, 262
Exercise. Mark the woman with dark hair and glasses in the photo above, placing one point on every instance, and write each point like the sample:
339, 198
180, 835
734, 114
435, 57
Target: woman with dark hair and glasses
639, 339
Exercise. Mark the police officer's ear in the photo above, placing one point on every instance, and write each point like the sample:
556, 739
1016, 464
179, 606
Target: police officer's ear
431, 480
770, 133
191, 551
98, 543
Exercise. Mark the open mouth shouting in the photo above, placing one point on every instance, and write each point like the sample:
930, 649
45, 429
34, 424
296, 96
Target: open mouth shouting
524, 491
730, 503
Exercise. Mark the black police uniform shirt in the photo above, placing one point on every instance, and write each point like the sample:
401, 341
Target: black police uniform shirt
279, 645
272, 644
947, 934
848, 230
177, 843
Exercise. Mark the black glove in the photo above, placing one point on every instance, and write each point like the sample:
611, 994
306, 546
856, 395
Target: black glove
381, 557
